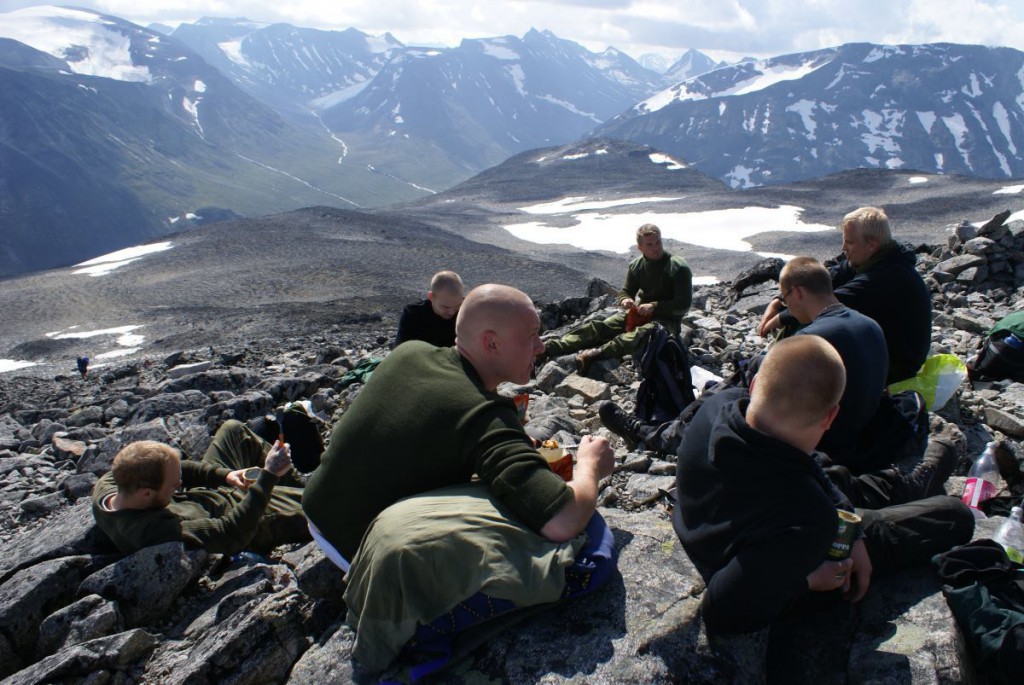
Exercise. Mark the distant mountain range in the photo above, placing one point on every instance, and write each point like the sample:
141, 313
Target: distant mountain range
111, 133
944, 108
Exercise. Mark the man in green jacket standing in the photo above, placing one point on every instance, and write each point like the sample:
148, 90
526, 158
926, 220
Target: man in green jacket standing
658, 289
151, 496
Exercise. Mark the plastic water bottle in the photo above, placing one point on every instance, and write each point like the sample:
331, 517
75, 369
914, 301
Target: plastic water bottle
982, 480
1011, 536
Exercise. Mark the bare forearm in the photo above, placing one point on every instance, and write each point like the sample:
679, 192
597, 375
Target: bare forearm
573, 517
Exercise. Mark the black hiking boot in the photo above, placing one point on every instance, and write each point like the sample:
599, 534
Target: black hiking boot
625, 425
937, 464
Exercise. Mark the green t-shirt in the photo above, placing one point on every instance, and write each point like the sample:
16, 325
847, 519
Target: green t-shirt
668, 282
425, 421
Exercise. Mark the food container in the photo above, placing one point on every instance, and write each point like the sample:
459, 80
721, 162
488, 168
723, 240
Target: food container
558, 459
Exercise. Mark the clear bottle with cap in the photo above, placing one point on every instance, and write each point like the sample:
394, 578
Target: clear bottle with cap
1011, 536
982, 480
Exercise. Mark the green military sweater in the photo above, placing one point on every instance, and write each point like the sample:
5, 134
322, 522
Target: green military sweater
667, 282
209, 514
425, 421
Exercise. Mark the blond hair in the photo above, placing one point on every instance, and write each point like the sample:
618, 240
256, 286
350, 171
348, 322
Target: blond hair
141, 465
800, 381
871, 222
646, 230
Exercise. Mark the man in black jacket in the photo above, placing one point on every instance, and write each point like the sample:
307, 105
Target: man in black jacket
877, 278
757, 514
433, 320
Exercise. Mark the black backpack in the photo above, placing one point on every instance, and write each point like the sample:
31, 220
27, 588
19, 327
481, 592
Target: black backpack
666, 387
301, 429
1001, 358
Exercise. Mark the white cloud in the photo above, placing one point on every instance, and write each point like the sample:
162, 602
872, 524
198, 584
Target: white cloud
732, 27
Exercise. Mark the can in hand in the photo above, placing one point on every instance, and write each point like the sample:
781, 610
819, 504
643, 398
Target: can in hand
845, 534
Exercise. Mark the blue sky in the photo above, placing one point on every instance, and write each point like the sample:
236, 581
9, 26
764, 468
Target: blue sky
722, 28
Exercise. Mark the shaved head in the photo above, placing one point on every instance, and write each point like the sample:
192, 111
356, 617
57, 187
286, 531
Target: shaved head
498, 331
799, 382
489, 306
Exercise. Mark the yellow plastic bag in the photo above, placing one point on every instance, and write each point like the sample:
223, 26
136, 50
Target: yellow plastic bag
937, 380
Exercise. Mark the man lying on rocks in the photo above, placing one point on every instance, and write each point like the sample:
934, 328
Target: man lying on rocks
431, 418
223, 504
757, 515
878, 279
658, 289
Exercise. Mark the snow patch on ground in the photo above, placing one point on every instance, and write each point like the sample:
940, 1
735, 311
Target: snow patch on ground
233, 51
917, 179
88, 43
672, 164
126, 341
104, 264
567, 205
1010, 190
14, 365
724, 229
493, 48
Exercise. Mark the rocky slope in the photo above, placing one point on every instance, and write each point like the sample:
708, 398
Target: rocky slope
72, 611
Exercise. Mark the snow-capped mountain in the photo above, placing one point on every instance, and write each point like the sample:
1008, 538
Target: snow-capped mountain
655, 61
942, 108
489, 98
287, 66
692, 63
110, 132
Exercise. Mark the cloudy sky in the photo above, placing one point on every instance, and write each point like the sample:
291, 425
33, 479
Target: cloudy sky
722, 28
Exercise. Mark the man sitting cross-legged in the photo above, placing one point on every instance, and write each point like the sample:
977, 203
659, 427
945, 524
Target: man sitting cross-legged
757, 514
658, 289
151, 496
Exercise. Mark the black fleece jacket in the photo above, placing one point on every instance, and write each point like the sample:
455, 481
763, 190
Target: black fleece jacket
755, 515
889, 290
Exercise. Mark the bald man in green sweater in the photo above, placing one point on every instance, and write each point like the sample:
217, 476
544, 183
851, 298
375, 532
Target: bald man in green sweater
151, 496
431, 417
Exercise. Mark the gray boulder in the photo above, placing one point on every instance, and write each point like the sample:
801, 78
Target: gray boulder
146, 584
86, 619
103, 660
32, 594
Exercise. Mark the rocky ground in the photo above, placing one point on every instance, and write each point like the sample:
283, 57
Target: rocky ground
71, 611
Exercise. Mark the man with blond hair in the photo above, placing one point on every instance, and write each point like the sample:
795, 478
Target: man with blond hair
151, 496
433, 320
757, 515
877, 278
658, 289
